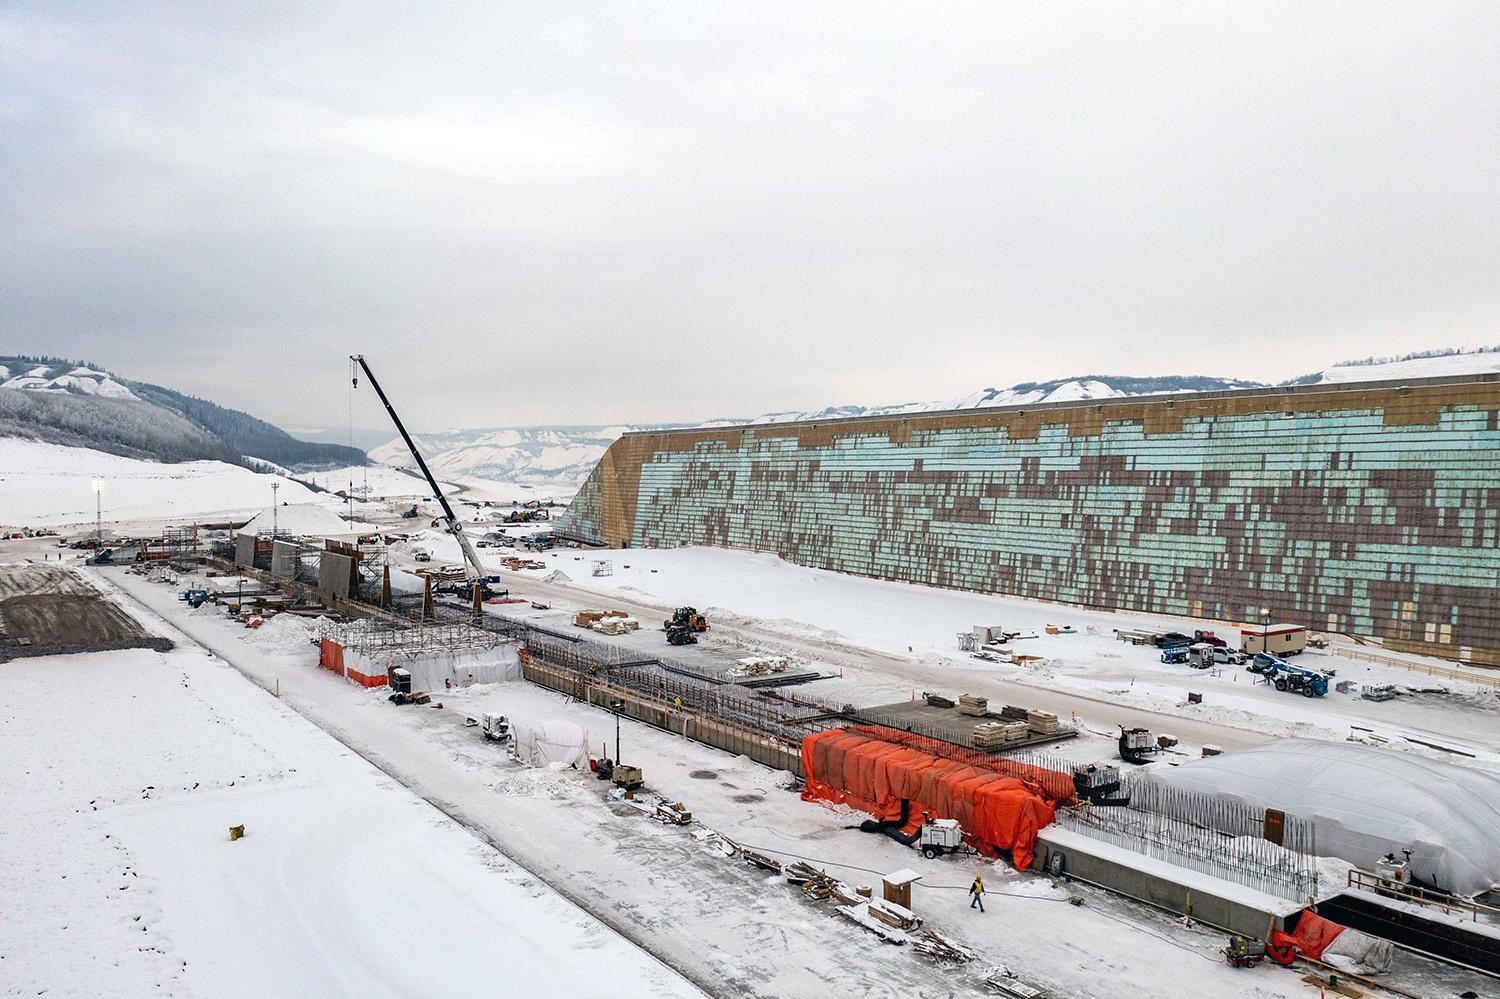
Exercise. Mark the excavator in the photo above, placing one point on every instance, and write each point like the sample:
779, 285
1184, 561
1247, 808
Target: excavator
474, 572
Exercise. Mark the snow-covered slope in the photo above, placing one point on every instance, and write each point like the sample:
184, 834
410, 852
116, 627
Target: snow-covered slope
52, 485
1430, 365
550, 461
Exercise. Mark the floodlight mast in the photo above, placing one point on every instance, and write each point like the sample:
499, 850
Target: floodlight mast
473, 569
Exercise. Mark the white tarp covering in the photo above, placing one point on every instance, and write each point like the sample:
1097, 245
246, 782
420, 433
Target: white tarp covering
547, 741
1366, 802
462, 669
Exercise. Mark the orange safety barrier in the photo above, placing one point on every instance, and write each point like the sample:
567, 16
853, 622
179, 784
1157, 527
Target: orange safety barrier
331, 656
997, 810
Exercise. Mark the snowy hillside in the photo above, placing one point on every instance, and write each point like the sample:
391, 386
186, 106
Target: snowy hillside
80, 405
74, 380
1425, 365
48, 485
552, 462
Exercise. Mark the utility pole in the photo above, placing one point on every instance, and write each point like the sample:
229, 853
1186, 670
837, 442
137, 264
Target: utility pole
98, 513
275, 485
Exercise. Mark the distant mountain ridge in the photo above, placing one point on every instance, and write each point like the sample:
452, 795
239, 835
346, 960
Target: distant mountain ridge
60, 401
555, 460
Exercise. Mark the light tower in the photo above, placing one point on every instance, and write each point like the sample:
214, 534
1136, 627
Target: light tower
98, 488
275, 485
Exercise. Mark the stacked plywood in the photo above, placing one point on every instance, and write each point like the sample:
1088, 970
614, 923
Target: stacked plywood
994, 735
1042, 722
970, 704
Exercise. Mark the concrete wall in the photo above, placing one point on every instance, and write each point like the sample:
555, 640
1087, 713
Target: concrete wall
1223, 910
284, 559
335, 574
1370, 510
244, 549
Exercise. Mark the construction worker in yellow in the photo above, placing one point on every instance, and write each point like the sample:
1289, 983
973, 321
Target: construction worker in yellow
976, 891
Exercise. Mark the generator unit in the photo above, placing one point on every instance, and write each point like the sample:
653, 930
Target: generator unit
1098, 784
940, 836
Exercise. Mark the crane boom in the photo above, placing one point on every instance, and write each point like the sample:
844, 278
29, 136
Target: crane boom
473, 569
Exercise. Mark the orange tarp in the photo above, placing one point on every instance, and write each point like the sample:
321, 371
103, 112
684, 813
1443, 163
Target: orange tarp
1000, 805
331, 656
1312, 937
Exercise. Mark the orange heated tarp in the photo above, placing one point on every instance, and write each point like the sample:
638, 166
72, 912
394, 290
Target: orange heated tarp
999, 805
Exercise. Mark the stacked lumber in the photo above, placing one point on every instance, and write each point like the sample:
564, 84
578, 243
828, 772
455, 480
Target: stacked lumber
861, 915
993, 735
516, 564
1013, 713
893, 915
587, 618
990, 735
615, 623
1042, 722
971, 704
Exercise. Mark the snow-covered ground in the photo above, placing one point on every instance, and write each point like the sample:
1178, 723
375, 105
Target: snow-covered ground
743, 931
920, 624
124, 772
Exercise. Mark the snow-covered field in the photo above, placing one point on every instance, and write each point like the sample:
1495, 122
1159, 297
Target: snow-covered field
123, 774
47, 485
740, 929
845, 613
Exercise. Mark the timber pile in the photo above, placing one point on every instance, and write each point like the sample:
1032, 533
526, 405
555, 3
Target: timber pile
673, 813
1013, 713
970, 704
935, 945
516, 564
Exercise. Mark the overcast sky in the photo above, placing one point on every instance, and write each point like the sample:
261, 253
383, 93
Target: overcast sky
571, 213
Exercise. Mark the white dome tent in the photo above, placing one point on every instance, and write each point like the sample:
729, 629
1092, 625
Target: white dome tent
1366, 802
548, 742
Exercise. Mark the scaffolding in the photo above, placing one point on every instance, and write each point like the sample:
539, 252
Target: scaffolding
390, 644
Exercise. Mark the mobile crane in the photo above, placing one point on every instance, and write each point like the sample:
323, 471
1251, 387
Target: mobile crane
474, 573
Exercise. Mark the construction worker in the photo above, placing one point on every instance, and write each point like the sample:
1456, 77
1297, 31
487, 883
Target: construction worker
976, 892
